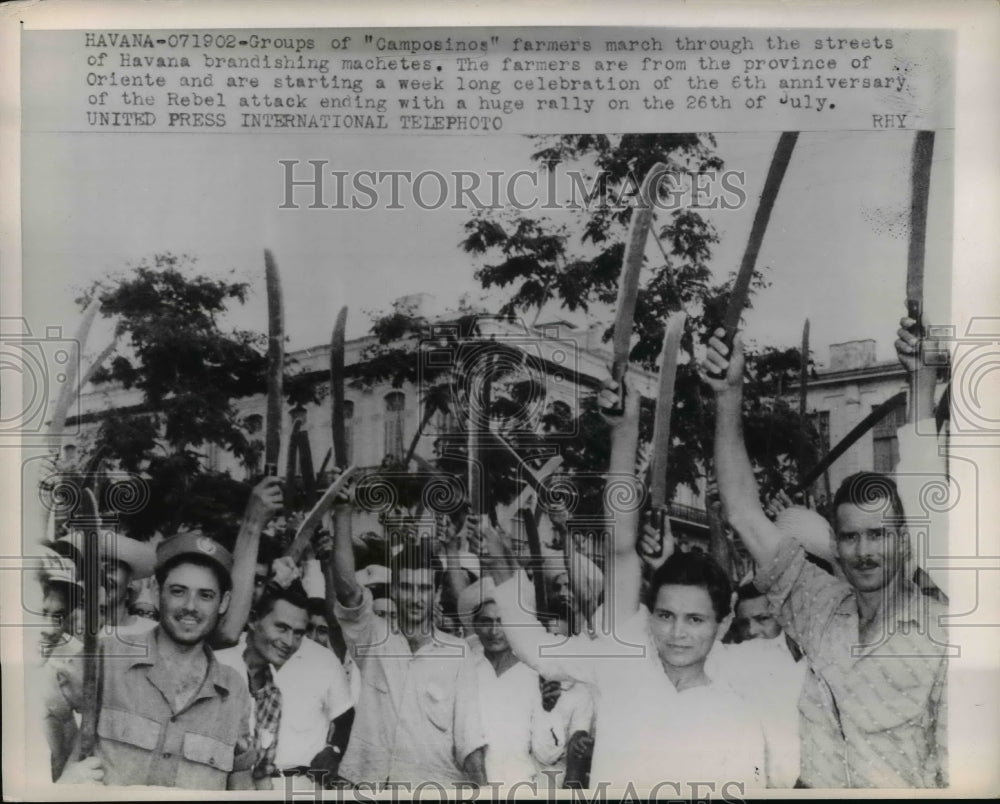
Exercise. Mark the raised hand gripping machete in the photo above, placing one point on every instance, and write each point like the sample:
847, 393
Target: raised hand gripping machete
661, 424
920, 185
313, 519
275, 364
741, 287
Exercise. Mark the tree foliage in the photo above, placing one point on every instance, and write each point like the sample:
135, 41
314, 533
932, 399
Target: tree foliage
190, 373
536, 261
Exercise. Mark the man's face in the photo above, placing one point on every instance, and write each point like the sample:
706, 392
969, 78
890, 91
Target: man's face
191, 603
414, 595
562, 591
278, 634
318, 630
683, 625
756, 620
116, 576
386, 609
260, 576
489, 629
870, 550
55, 610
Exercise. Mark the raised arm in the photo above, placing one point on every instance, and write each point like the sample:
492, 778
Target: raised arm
737, 485
265, 500
339, 571
526, 635
623, 583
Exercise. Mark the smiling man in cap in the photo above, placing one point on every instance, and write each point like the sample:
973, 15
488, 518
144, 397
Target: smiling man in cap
171, 715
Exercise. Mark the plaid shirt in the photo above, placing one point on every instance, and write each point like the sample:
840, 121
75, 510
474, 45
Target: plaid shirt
267, 719
872, 715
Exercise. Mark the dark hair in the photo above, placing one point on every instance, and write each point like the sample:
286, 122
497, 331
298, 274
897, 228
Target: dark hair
267, 552
295, 594
316, 606
748, 591
225, 582
415, 556
863, 489
694, 569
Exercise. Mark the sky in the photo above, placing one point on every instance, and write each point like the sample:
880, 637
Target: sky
835, 250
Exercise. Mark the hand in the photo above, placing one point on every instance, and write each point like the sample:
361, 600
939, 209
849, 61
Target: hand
778, 503
609, 402
323, 545
448, 537
719, 361
651, 550
907, 345
327, 763
551, 691
484, 539
580, 746
284, 571
87, 770
266, 499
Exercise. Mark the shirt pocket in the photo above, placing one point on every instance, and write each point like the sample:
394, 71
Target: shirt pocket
207, 750
129, 728
437, 706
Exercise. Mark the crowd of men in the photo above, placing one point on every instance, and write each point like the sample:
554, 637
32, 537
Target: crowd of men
419, 660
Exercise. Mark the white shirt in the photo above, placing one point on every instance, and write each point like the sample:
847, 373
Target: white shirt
648, 734
314, 691
765, 674
522, 737
506, 704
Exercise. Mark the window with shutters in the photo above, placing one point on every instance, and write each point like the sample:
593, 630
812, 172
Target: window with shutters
886, 443
395, 410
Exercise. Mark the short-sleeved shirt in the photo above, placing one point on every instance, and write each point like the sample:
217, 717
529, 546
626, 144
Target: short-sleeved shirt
143, 740
872, 715
314, 691
418, 718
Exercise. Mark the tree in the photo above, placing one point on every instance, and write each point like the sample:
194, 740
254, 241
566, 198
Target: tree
173, 349
578, 267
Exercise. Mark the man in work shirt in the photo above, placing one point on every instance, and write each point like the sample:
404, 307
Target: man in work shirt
418, 718
303, 703
171, 715
873, 711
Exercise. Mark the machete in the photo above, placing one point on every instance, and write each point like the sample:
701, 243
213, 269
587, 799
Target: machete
479, 430
803, 390
290, 464
534, 478
661, 423
275, 364
90, 708
862, 427
920, 183
313, 519
337, 413
741, 287
628, 281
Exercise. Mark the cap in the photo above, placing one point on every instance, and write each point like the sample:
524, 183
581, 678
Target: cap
473, 597
373, 574
809, 529
194, 543
140, 556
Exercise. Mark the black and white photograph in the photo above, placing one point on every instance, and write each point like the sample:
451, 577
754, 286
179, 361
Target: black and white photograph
549, 409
